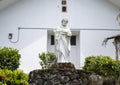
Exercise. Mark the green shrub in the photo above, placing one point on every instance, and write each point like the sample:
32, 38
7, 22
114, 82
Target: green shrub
102, 65
47, 59
9, 58
16, 77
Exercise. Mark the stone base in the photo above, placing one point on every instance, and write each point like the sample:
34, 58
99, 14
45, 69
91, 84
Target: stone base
63, 74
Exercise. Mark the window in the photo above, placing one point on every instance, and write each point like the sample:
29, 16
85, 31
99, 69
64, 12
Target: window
64, 9
63, 2
52, 40
73, 40
64, 6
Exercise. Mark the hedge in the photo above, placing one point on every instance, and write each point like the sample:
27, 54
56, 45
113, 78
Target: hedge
16, 77
9, 58
103, 65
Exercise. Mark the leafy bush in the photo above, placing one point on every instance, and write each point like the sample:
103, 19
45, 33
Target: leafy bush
16, 77
9, 58
47, 59
102, 65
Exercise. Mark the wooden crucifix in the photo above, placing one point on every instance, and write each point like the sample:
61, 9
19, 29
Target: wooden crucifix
116, 43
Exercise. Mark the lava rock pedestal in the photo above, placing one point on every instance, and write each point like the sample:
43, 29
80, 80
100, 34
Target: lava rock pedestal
63, 74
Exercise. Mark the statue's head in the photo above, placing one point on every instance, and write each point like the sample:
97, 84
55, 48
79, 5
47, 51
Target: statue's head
64, 22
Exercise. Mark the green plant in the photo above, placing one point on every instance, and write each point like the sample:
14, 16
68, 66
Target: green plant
47, 59
16, 77
9, 58
102, 65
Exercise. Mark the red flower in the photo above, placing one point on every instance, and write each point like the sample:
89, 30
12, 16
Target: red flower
3, 78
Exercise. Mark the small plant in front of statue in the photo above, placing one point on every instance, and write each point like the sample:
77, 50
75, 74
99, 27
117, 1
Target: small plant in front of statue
47, 59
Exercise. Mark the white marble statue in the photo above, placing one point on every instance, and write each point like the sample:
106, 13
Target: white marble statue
62, 41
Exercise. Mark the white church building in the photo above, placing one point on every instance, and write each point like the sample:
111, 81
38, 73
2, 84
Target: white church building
28, 26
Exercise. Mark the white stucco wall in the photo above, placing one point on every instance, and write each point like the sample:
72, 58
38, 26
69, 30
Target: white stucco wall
30, 59
82, 14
